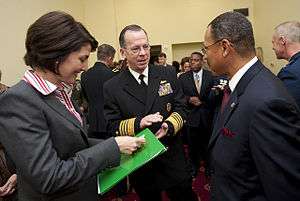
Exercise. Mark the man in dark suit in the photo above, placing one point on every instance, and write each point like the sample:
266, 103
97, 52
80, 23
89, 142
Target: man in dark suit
286, 45
255, 144
162, 61
196, 85
92, 82
146, 96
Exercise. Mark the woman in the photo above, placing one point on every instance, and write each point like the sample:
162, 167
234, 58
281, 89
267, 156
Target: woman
185, 66
3, 87
42, 131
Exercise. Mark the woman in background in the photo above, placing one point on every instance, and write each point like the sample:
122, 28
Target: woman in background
42, 130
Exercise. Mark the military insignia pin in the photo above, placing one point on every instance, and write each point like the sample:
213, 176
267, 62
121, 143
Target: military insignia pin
169, 107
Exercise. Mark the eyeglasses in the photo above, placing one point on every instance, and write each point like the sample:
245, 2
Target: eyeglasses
205, 48
137, 49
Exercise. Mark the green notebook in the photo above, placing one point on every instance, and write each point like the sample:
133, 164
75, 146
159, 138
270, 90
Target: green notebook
129, 163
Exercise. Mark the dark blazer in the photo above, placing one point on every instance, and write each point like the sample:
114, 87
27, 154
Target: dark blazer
124, 100
255, 145
197, 115
290, 76
92, 83
54, 158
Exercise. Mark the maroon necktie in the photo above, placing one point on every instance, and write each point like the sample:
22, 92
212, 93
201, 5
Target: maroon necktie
226, 96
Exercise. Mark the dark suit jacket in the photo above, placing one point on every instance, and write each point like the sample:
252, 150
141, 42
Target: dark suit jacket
255, 145
54, 158
198, 115
290, 76
124, 100
92, 83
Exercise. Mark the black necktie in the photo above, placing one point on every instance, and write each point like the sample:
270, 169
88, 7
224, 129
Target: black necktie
143, 87
143, 84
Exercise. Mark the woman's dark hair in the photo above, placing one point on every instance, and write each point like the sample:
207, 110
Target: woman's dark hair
52, 37
184, 60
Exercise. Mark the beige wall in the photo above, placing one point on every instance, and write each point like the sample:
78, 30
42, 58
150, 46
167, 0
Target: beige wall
168, 22
15, 18
268, 14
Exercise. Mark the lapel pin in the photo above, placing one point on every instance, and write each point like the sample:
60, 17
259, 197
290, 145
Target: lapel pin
232, 105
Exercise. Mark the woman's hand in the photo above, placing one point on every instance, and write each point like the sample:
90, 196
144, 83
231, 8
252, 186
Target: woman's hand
128, 145
9, 187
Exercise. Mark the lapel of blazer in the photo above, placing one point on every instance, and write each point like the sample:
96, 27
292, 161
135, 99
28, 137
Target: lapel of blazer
56, 105
132, 87
153, 86
233, 102
204, 83
191, 82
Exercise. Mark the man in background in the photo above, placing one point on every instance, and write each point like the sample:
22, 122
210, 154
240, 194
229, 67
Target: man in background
286, 45
162, 60
196, 85
255, 145
92, 82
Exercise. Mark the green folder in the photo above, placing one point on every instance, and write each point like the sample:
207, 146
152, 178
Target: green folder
129, 163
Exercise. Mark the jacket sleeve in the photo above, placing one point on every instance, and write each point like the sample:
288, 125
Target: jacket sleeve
116, 124
290, 81
27, 138
275, 147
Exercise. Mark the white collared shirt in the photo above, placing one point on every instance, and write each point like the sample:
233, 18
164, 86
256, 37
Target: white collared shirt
239, 74
136, 75
200, 73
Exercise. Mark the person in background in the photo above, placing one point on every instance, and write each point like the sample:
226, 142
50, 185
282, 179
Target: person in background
176, 65
255, 145
8, 178
196, 85
162, 61
78, 97
184, 65
3, 87
42, 130
286, 45
92, 82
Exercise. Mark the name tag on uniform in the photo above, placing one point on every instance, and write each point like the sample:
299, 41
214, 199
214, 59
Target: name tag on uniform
164, 88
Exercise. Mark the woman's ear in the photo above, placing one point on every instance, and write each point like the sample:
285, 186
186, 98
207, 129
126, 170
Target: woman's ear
56, 67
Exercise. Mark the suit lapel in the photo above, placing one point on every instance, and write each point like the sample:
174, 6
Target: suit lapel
191, 82
233, 102
203, 83
56, 105
153, 86
132, 87
222, 118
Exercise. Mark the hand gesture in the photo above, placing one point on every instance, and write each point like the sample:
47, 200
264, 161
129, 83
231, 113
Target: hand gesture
128, 145
9, 187
194, 100
150, 119
162, 131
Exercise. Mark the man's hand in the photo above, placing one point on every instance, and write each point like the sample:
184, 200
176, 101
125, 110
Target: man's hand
194, 100
162, 131
9, 187
128, 145
150, 119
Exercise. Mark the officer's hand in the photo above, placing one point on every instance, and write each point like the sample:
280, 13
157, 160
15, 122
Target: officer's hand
195, 100
162, 131
128, 145
150, 119
9, 187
